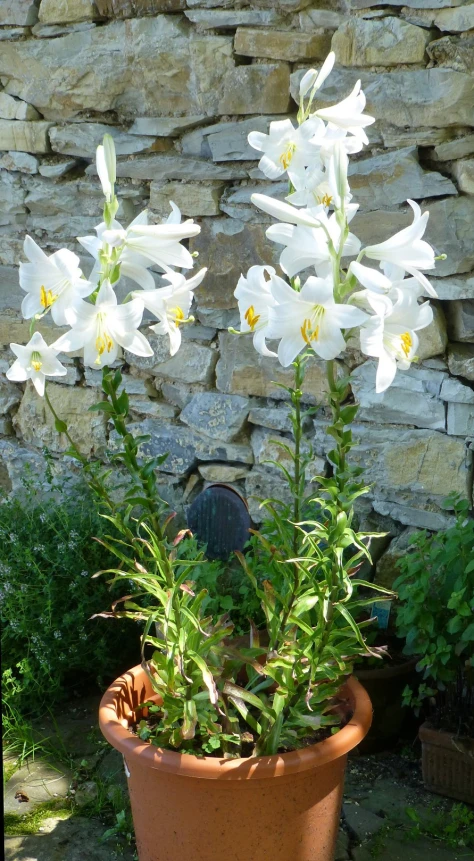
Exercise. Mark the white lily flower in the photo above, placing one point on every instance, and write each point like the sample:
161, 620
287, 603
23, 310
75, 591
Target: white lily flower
142, 245
337, 176
106, 166
35, 361
348, 114
406, 251
54, 282
309, 246
372, 279
287, 146
101, 328
310, 318
311, 188
171, 304
390, 335
313, 80
255, 298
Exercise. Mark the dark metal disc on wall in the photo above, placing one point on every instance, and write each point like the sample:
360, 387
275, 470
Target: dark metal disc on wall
219, 517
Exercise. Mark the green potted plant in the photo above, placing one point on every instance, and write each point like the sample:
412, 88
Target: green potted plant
228, 747
435, 617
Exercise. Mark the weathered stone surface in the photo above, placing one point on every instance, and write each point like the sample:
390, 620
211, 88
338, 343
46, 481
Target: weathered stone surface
67, 11
193, 363
14, 109
460, 317
10, 396
463, 172
236, 201
456, 20
392, 177
276, 417
449, 231
256, 89
395, 137
433, 339
395, 849
22, 12
461, 360
458, 148
76, 197
20, 161
362, 823
24, 136
228, 248
186, 447
314, 18
172, 69
284, 5
460, 419
226, 141
71, 838
382, 42
410, 4
412, 399
223, 19
268, 451
222, 472
82, 139
192, 199
216, 415
36, 425
386, 570
12, 194
175, 393
51, 31
55, 169
39, 781
454, 391
241, 370
461, 287
165, 127
163, 167
453, 53
410, 470
422, 97
135, 8
144, 406
262, 483
281, 45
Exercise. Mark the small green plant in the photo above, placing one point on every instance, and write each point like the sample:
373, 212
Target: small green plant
434, 616
456, 827
49, 643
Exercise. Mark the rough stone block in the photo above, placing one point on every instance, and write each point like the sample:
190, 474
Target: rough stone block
463, 172
35, 424
82, 139
19, 161
165, 167
164, 127
454, 391
15, 109
225, 19
10, 396
386, 570
460, 317
24, 136
454, 20
281, 45
22, 12
460, 419
216, 415
136, 8
193, 363
276, 417
412, 399
461, 360
421, 97
67, 11
434, 338
450, 52
192, 199
256, 89
171, 68
457, 148
222, 472
383, 42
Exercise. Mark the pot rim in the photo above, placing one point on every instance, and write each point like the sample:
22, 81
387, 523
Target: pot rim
146, 755
388, 671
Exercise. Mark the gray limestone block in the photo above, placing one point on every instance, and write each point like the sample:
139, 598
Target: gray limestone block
216, 415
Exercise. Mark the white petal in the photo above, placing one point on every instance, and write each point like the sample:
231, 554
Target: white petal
38, 380
284, 211
370, 278
386, 370
258, 140
138, 273
290, 346
17, 373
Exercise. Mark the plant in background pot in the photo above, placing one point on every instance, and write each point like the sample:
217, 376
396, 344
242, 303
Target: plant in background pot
232, 747
435, 617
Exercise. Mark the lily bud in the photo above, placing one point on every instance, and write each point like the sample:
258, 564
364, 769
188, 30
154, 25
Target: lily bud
307, 81
105, 161
325, 70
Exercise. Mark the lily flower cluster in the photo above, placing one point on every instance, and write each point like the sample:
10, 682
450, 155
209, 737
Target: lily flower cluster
338, 296
89, 306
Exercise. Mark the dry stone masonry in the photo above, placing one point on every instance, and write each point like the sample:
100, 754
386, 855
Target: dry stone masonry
179, 84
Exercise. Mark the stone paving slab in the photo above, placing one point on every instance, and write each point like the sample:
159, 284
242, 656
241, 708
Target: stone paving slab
34, 783
73, 839
421, 849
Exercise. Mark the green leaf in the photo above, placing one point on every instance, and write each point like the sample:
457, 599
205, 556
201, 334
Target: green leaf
60, 426
235, 691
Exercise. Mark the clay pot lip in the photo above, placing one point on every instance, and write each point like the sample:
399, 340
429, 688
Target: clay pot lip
386, 672
427, 733
144, 755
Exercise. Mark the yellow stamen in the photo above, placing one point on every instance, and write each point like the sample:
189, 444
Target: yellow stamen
308, 333
251, 317
326, 199
47, 297
407, 343
103, 342
177, 314
287, 155
36, 362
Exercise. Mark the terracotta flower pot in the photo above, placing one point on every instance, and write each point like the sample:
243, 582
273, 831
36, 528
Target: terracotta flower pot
384, 685
188, 808
447, 763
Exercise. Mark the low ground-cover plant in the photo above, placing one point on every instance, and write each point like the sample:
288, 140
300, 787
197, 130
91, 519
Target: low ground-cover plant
50, 644
435, 618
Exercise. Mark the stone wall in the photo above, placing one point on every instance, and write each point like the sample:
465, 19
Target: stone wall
179, 84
